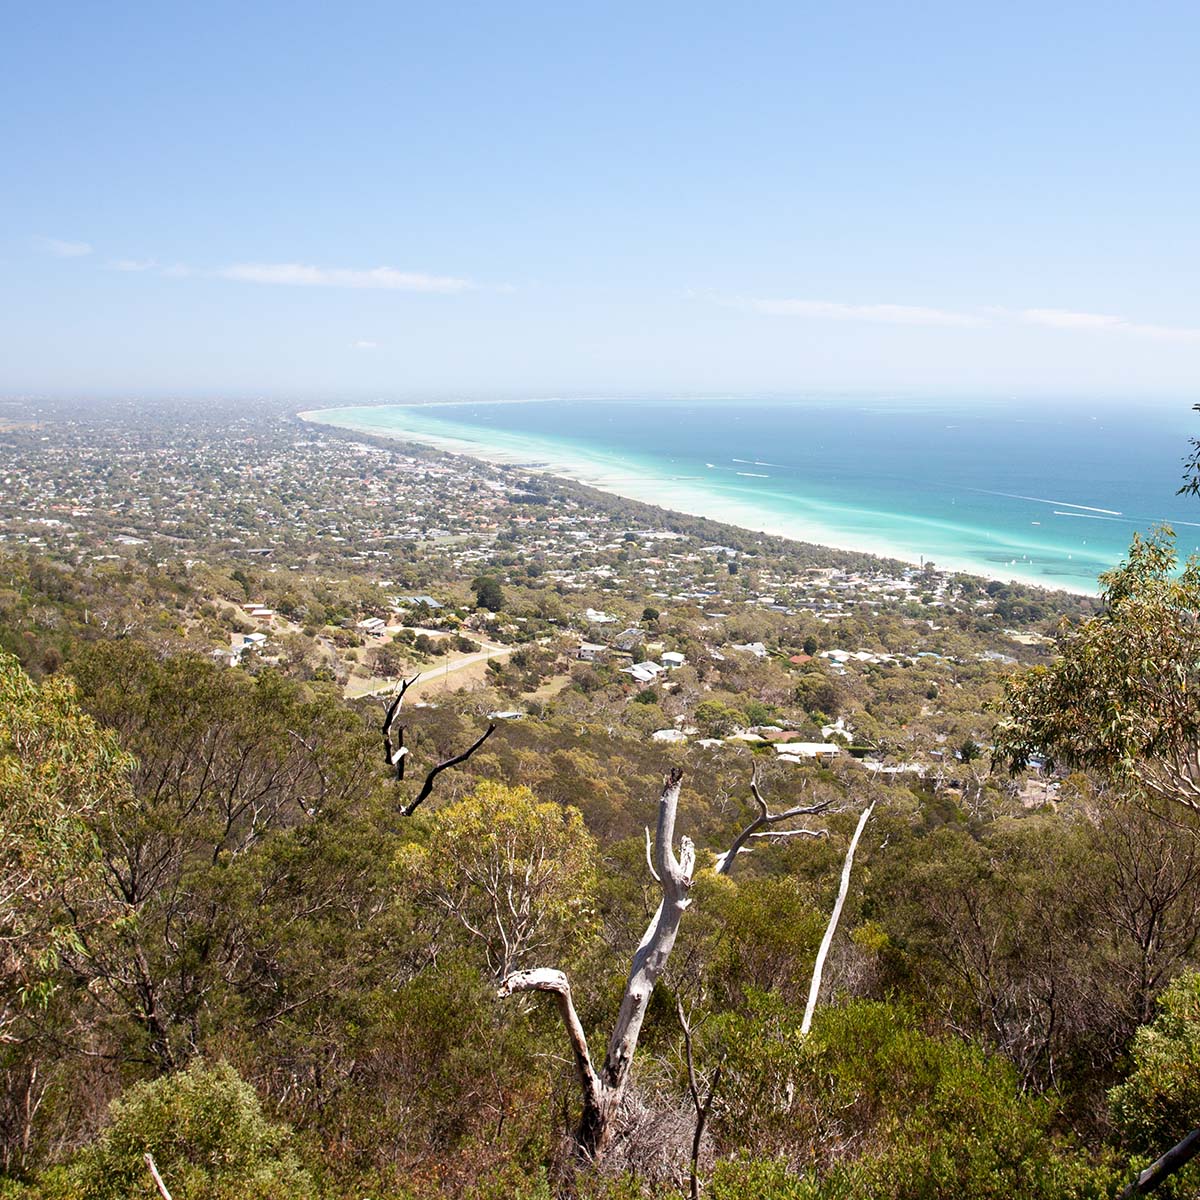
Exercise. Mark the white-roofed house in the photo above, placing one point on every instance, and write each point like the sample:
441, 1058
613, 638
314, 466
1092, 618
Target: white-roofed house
799, 751
643, 672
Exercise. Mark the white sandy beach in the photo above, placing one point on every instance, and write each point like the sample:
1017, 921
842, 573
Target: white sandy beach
680, 494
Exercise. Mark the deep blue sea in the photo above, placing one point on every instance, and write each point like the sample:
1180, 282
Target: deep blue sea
1047, 492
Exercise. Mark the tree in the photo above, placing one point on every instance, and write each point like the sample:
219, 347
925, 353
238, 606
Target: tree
604, 1088
391, 658
1161, 1097
247, 582
717, 719
61, 778
517, 874
816, 693
996, 927
59, 774
223, 761
488, 593
1147, 889
1123, 698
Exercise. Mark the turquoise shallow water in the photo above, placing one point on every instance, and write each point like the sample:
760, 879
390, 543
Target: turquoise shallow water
1043, 492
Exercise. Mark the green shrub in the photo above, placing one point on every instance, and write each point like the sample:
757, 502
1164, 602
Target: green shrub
209, 1138
933, 1118
1160, 1100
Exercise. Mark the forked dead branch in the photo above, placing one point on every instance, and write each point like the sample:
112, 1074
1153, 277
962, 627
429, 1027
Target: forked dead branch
396, 752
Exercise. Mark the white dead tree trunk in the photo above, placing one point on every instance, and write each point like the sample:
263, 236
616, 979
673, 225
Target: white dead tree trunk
604, 1090
814, 988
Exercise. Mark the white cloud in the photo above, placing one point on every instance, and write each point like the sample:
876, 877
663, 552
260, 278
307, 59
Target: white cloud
879, 314
1060, 318
364, 344
911, 314
63, 249
300, 275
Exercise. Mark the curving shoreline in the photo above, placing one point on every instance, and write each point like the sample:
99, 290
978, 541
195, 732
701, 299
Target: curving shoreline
640, 482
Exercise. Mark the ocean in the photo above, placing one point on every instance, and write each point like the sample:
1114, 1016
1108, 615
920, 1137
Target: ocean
1042, 492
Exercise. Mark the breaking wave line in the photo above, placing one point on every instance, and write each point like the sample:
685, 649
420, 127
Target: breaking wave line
1111, 512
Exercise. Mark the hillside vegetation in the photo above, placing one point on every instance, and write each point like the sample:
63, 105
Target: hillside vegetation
229, 952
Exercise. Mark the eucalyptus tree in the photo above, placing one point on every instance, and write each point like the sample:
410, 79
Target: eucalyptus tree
518, 874
1123, 699
60, 776
1123, 695
224, 761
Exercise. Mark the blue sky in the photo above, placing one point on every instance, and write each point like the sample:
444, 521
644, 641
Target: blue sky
389, 201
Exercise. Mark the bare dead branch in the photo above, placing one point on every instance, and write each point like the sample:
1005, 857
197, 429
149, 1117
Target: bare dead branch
761, 826
772, 834
396, 753
395, 756
843, 888
1174, 1160
548, 980
702, 1105
158, 1179
427, 786
758, 796
650, 856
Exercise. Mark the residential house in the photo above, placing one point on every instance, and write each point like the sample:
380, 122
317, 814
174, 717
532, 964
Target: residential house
643, 672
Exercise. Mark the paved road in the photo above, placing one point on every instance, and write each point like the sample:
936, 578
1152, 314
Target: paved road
436, 673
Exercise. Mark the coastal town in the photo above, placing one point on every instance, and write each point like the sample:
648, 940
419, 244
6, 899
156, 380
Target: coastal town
361, 561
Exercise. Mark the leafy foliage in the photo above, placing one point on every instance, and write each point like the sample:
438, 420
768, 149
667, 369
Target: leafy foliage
936, 1119
61, 776
488, 593
1160, 1100
519, 874
209, 1138
1191, 467
1123, 698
